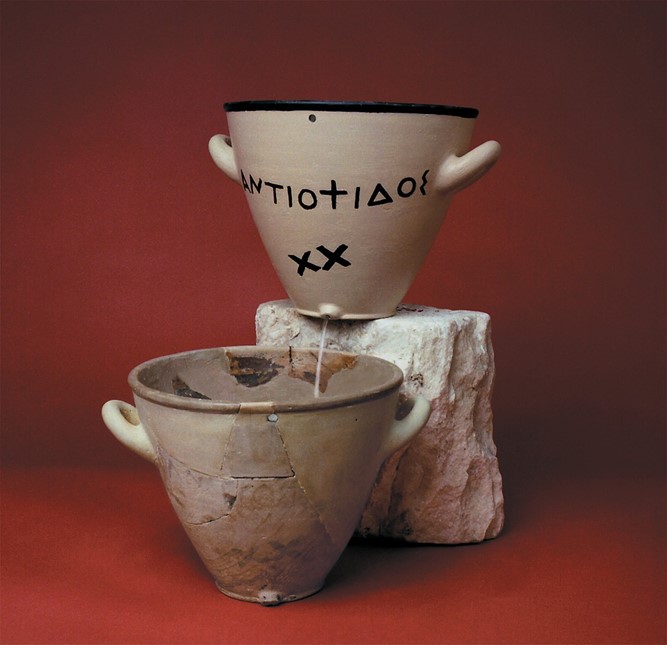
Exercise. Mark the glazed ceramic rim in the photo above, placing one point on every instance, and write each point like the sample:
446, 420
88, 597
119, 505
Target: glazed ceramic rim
352, 106
265, 406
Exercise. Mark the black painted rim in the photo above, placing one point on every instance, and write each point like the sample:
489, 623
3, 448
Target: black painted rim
352, 106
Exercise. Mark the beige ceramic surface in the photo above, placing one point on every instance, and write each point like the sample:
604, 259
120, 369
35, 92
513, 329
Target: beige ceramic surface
348, 201
268, 481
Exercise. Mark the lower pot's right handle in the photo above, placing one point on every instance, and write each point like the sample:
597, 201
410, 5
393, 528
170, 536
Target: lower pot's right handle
123, 421
406, 429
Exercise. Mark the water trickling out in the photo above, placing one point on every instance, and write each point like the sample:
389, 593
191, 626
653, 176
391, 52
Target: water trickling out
318, 371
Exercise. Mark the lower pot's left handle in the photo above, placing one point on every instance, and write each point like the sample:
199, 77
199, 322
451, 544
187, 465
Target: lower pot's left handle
123, 421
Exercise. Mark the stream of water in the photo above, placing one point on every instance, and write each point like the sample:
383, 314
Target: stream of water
318, 371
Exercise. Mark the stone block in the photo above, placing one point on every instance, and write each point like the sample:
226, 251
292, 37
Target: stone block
445, 487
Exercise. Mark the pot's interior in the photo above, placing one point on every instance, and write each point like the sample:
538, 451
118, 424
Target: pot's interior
255, 374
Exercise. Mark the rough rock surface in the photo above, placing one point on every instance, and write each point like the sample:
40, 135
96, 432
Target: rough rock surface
445, 487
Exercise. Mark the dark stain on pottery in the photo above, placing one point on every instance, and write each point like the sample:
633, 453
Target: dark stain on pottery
130, 415
181, 388
309, 377
404, 406
252, 371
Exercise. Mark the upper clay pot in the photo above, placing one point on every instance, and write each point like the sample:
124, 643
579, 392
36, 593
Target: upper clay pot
349, 196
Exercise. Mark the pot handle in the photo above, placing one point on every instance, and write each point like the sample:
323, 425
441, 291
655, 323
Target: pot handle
406, 429
222, 153
457, 173
123, 421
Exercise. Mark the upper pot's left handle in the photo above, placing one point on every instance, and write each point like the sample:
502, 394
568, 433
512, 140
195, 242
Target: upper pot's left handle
222, 153
457, 173
123, 421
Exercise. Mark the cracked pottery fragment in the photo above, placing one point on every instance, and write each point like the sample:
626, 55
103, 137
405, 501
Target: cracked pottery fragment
268, 480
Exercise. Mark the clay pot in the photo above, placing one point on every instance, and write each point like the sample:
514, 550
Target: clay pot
268, 480
348, 197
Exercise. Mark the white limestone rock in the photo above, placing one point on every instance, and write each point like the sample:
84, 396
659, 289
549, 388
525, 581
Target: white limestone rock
445, 487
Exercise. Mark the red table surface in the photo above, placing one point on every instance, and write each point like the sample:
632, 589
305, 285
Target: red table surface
98, 556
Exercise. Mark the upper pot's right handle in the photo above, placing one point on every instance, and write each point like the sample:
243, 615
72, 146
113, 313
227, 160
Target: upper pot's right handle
457, 173
222, 153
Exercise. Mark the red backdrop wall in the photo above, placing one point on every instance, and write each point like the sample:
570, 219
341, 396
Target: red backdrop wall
121, 241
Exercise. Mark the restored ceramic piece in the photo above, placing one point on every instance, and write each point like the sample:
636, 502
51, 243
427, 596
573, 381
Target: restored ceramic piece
268, 480
348, 197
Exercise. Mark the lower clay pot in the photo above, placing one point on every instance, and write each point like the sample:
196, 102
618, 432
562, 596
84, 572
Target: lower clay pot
268, 479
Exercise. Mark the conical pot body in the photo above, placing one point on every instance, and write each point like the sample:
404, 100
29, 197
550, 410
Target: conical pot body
267, 479
348, 197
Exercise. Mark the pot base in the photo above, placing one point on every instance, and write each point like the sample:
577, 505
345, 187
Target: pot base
270, 598
325, 313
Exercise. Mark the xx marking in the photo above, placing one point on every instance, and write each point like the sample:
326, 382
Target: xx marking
332, 258
303, 263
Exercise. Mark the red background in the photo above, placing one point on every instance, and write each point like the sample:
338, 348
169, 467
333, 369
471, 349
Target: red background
121, 241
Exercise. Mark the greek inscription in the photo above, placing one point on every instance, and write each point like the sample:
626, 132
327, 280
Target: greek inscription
411, 182
334, 195
309, 203
422, 188
380, 196
334, 191
275, 188
255, 185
